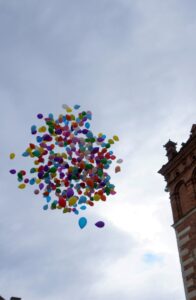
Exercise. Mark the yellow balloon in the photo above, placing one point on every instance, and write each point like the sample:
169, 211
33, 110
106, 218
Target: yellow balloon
12, 155
66, 210
42, 129
22, 186
73, 200
110, 141
64, 155
96, 197
116, 138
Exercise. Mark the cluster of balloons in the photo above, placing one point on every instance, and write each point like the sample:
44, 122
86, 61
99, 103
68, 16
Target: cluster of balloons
70, 163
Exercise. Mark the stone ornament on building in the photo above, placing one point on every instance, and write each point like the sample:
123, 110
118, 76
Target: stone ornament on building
180, 175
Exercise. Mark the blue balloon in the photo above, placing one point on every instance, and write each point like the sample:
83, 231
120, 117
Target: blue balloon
82, 199
39, 139
48, 199
51, 116
83, 207
82, 222
87, 125
32, 181
76, 212
25, 154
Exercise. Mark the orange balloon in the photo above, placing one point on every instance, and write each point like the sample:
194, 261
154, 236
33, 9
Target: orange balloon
90, 182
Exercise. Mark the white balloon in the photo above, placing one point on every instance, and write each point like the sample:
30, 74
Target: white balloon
119, 161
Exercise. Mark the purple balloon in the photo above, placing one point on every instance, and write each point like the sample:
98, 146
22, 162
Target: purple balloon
100, 224
40, 175
40, 116
41, 186
13, 171
62, 175
95, 150
70, 192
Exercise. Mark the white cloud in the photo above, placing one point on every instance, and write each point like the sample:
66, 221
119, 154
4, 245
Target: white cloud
133, 64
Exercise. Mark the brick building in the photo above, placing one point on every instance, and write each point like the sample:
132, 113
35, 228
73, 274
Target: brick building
180, 175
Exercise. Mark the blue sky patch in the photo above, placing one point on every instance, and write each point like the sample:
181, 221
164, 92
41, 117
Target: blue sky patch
152, 258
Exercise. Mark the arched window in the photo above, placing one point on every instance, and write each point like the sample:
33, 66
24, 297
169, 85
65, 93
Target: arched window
194, 181
194, 176
180, 197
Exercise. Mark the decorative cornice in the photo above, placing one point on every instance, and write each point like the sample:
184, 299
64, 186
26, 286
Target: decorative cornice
186, 149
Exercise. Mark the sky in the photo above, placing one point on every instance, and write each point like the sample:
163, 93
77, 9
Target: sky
132, 63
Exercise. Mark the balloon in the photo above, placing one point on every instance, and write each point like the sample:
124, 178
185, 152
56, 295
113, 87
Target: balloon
41, 186
73, 201
76, 106
70, 163
22, 186
12, 155
119, 161
82, 199
110, 141
82, 222
62, 202
39, 116
12, 171
97, 197
117, 169
70, 192
116, 138
83, 207
67, 108
100, 224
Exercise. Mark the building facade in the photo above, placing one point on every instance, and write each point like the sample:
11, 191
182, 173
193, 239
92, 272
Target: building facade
180, 174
